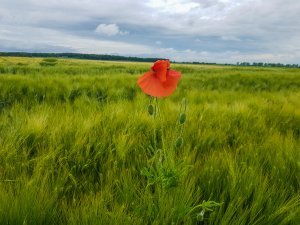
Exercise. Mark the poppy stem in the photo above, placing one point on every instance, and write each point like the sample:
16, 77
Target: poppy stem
150, 99
154, 117
161, 130
155, 108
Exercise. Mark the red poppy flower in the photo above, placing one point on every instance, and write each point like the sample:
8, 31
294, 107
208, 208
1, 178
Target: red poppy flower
160, 81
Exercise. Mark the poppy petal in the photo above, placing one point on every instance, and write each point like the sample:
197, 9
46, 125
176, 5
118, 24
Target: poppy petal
160, 68
170, 85
152, 85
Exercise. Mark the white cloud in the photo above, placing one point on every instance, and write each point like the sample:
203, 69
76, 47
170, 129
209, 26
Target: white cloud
173, 6
109, 29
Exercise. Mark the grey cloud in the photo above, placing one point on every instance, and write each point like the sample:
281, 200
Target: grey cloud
19, 45
237, 28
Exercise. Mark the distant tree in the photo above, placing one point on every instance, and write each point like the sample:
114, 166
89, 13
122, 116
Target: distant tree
79, 56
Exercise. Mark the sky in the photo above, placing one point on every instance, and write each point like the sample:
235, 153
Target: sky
221, 31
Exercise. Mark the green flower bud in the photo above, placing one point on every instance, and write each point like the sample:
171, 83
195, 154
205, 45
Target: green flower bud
150, 109
179, 142
182, 118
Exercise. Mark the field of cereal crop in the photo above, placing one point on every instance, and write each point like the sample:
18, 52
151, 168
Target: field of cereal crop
79, 147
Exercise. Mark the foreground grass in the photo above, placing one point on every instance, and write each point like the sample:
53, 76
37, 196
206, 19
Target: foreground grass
78, 146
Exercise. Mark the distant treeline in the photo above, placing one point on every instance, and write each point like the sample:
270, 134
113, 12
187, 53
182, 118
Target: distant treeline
267, 64
259, 64
134, 59
79, 56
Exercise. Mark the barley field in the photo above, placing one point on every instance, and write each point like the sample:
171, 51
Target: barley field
78, 146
